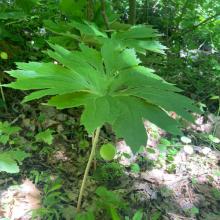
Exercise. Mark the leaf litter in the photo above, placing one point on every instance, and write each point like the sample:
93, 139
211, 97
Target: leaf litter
190, 191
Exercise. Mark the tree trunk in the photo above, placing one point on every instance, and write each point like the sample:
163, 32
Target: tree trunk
90, 10
132, 12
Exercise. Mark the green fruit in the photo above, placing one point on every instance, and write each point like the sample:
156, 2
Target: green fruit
4, 55
107, 151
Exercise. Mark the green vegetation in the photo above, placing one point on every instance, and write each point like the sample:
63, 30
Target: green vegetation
110, 109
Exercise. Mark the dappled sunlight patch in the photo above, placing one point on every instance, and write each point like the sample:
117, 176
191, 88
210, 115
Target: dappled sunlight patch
60, 155
18, 202
153, 134
159, 177
124, 154
205, 124
181, 191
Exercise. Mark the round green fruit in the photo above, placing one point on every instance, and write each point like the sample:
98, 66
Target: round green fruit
108, 151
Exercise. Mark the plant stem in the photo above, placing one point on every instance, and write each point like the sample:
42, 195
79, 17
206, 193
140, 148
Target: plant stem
3, 98
92, 154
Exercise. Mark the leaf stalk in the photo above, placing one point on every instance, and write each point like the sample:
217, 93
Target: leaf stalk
91, 157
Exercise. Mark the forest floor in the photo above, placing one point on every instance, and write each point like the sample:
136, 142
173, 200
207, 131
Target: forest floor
172, 178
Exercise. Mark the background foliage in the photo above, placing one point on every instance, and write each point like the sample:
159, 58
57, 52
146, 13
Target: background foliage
110, 50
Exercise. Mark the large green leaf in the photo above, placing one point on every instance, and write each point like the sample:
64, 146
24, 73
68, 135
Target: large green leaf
140, 37
112, 87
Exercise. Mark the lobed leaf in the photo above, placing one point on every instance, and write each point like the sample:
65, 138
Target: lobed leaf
110, 84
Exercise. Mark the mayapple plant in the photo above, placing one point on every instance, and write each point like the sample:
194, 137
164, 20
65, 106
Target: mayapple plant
110, 83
